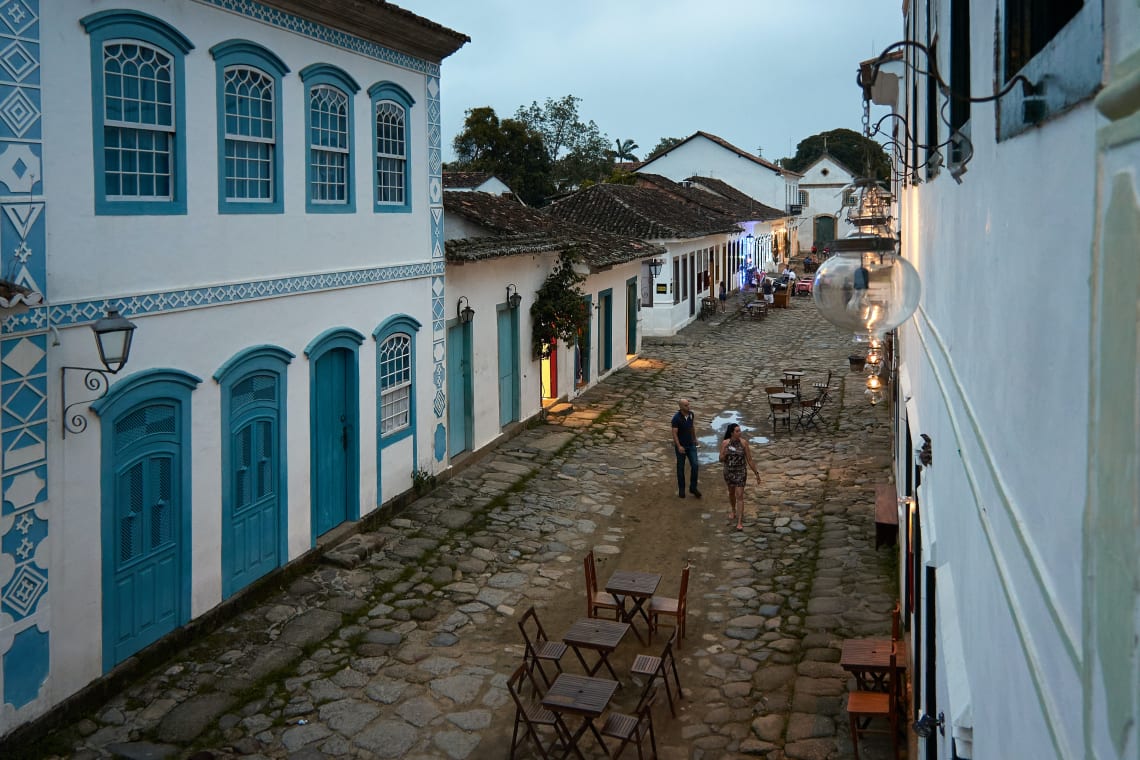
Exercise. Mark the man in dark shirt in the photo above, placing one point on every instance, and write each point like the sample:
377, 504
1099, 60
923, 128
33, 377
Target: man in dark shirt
685, 444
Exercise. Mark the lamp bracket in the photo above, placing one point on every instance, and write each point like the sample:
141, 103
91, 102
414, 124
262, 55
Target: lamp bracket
97, 382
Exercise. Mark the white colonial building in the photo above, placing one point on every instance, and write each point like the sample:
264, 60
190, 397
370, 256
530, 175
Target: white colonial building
1021, 212
706, 155
825, 198
499, 254
256, 186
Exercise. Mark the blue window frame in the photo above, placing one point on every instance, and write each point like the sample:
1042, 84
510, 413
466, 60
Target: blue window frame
249, 128
391, 154
138, 113
329, 175
395, 377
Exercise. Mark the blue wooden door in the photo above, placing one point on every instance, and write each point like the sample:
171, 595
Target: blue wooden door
631, 316
333, 439
146, 581
253, 504
582, 350
606, 301
460, 390
509, 402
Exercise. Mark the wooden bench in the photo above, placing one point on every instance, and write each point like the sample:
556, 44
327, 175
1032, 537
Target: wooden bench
886, 515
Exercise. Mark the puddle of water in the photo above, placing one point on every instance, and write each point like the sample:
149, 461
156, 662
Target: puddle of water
710, 444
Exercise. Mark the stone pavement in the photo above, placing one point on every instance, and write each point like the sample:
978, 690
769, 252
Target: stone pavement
399, 645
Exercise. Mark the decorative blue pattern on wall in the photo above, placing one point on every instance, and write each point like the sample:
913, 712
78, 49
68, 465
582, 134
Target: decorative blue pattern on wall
321, 33
83, 312
25, 666
440, 442
23, 362
435, 205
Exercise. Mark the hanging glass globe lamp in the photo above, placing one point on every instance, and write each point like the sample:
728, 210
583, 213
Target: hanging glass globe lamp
865, 287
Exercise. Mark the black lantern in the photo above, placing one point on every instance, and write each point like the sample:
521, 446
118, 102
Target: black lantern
513, 297
464, 311
113, 335
655, 267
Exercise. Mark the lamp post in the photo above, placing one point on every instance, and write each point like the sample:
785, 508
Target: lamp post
113, 334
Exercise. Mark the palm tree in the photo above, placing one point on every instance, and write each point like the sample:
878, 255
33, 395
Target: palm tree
625, 149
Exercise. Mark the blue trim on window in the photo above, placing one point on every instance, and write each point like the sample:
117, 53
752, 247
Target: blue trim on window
134, 25
315, 75
400, 323
390, 91
137, 389
246, 53
334, 337
274, 360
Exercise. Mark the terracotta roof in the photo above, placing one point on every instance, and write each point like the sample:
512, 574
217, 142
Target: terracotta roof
761, 211
640, 212
516, 229
729, 146
716, 195
465, 179
380, 22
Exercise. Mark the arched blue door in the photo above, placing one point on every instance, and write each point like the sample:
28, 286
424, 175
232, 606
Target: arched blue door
146, 510
334, 429
253, 466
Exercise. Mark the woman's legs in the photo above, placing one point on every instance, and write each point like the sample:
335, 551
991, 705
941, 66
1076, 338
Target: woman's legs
732, 503
738, 509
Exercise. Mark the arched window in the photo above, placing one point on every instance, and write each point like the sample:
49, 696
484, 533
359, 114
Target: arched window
328, 122
391, 186
139, 117
395, 377
249, 126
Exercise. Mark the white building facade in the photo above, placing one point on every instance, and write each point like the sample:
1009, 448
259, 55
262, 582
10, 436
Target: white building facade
826, 199
1022, 569
258, 190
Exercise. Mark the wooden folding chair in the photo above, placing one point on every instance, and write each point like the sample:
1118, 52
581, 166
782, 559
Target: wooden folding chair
654, 667
865, 706
633, 728
810, 411
669, 607
825, 385
540, 648
781, 411
596, 600
532, 715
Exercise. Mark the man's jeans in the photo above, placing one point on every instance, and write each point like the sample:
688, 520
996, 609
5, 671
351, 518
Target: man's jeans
691, 455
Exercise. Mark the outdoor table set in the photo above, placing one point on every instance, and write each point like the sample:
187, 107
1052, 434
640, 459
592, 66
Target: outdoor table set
784, 398
593, 640
879, 668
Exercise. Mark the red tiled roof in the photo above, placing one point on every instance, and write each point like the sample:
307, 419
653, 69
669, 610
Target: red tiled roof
640, 212
516, 229
731, 202
465, 179
760, 210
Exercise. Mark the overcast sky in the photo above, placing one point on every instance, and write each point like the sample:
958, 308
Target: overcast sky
758, 73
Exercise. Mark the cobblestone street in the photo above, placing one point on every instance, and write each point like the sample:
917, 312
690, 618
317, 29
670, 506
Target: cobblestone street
402, 645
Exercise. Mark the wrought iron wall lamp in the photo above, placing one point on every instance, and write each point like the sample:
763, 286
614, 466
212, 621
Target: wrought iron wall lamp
464, 311
1033, 101
113, 335
513, 297
655, 267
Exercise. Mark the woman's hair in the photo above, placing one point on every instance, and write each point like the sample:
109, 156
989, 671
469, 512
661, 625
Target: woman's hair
728, 430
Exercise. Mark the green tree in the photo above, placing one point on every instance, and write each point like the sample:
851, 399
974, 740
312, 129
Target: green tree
858, 153
577, 150
665, 143
507, 148
624, 150
559, 313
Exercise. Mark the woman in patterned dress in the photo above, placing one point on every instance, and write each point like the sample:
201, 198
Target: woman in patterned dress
737, 458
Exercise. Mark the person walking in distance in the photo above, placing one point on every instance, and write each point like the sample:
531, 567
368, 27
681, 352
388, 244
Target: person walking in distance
685, 444
737, 456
